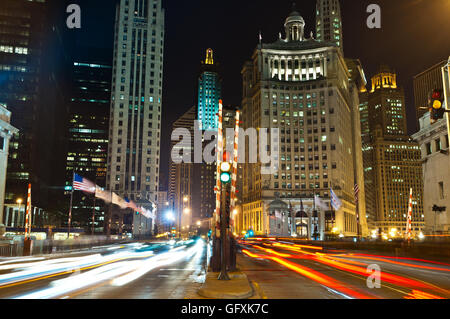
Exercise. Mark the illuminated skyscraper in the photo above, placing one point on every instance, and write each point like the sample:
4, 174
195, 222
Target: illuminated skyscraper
329, 22
209, 93
135, 119
302, 87
391, 159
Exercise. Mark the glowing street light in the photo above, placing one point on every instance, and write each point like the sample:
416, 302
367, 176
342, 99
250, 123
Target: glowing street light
19, 201
186, 210
170, 216
199, 223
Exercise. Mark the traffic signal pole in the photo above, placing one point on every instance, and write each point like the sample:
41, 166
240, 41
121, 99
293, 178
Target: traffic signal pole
223, 233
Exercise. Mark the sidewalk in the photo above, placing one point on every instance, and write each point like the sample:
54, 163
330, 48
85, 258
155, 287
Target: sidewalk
238, 287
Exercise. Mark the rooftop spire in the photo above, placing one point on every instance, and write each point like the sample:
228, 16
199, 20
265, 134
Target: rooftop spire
209, 57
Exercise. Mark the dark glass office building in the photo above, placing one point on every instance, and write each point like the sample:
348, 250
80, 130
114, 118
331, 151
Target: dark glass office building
88, 124
31, 63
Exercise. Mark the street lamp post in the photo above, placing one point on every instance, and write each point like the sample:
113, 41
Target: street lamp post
186, 209
19, 201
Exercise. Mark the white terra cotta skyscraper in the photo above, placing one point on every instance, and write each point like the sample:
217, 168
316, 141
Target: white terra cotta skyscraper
135, 123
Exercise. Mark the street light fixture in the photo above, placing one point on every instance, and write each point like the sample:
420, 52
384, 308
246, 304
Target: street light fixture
18, 201
170, 216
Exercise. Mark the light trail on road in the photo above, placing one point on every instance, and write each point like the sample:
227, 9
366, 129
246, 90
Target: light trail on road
118, 268
343, 262
316, 276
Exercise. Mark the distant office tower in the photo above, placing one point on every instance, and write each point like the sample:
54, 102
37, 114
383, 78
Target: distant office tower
391, 160
6, 132
424, 83
31, 88
135, 121
329, 22
387, 104
181, 179
209, 93
88, 132
302, 87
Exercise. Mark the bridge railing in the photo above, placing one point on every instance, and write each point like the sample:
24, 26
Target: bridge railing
14, 248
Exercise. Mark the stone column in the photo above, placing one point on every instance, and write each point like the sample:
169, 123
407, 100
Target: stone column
286, 67
279, 68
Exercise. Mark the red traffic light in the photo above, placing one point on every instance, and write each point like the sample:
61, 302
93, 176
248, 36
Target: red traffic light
437, 94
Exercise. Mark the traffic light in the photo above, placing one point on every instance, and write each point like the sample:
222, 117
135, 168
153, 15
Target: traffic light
437, 108
225, 170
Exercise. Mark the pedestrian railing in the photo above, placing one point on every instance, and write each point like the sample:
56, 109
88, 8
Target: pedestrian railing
14, 248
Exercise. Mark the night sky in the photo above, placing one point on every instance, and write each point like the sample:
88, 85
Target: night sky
413, 37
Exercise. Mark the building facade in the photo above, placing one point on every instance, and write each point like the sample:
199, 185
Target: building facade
6, 132
135, 118
329, 22
424, 83
302, 87
32, 89
434, 147
181, 179
209, 93
391, 160
88, 133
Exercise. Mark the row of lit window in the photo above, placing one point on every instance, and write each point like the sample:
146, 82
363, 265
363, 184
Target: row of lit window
11, 49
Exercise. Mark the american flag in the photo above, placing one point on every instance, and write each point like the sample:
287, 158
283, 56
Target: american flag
82, 184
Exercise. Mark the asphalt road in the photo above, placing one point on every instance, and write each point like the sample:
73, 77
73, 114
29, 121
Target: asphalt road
287, 271
277, 270
133, 271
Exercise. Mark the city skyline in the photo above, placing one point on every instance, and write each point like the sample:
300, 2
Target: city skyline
399, 27
307, 181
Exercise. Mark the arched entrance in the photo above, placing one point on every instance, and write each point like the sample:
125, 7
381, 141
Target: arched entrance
301, 224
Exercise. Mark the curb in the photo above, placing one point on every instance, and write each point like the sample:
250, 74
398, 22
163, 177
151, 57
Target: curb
238, 287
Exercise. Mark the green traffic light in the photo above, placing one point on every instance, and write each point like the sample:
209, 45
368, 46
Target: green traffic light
225, 177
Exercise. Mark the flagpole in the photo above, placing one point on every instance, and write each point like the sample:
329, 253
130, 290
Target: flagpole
93, 209
357, 220
356, 191
70, 207
108, 230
